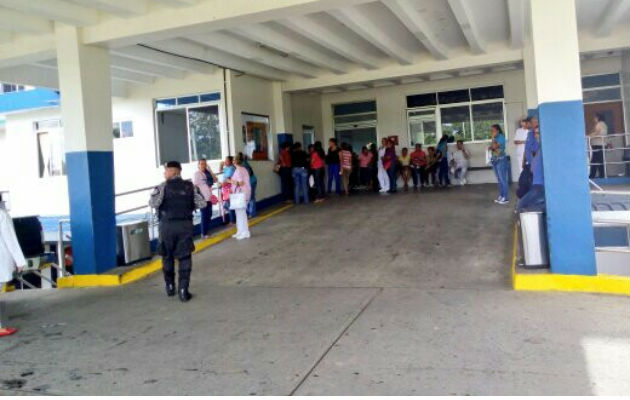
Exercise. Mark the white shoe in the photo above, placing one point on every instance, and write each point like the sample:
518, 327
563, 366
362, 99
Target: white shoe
235, 236
504, 202
243, 236
498, 200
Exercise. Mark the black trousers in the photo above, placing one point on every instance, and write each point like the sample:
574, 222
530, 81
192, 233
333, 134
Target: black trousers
286, 182
597, 158
176, 242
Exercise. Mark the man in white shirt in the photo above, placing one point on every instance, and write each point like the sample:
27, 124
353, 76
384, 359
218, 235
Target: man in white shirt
597, 147
520, 136
11, 258
459, 162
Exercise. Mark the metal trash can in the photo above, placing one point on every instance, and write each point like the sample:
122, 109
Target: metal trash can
133, 242
534, 239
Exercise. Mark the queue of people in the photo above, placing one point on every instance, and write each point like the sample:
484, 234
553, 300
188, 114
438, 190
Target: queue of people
372, 169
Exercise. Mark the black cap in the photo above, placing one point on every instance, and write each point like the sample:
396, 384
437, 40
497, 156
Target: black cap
174, 164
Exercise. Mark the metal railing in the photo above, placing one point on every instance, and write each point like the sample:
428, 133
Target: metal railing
615, 151
615, 218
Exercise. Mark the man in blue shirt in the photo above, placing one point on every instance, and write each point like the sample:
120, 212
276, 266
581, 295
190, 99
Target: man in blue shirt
534, 200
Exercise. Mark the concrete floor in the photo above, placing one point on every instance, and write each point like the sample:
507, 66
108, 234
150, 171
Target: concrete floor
406, 294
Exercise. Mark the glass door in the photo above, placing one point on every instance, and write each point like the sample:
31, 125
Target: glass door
423, 126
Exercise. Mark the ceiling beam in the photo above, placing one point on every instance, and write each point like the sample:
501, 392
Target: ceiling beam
116, 74
358, 22
203, 17
610, 18
463, 14
177, 3
393, 72
120, 8
324, 37
417, 24
127, 64
271, 38
238, 47
46, 77
16, 21
57, 10
27, 49
516, 16
220, 58
162, 59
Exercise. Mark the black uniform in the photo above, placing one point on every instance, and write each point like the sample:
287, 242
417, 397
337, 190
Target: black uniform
175, 201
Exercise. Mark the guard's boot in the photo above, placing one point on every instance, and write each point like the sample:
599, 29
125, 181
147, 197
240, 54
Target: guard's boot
170, 289
184, 294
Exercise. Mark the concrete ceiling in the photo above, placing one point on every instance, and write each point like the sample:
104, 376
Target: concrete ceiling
309, 44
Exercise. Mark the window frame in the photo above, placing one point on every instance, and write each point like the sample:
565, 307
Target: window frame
591, 89
438, 117
270, 148
222, 122
120, 122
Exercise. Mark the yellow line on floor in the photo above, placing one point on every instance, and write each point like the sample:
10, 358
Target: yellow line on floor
607, 284
155, 265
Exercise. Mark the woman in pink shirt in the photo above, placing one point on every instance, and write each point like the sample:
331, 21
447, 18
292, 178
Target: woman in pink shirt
365, 161
345, 158
240, 183
204, 178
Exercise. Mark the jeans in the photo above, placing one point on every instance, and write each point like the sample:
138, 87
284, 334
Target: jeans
345, 179
501, 171
365, 176
443, 172
597, 162
251, 206
419, 176
391, 173
333, 173
300, 180
534, 200
206, 217
286, 182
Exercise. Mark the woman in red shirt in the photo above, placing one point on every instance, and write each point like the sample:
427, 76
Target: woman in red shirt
345, 159
318, 169
365, 172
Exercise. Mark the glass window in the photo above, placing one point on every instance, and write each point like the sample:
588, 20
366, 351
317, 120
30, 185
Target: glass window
205, 133
126, 129
422, 100
50, 150
422, 127
486, 93
454, 96
209, 97
600, 81
172, 136
255, 136
165, 103
187, 100
348, 119
354, 108
484, 116
456, 122
612, 94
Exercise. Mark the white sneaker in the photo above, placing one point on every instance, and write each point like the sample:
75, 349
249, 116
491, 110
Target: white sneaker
235, 236
243, 236
504, 202
498, 200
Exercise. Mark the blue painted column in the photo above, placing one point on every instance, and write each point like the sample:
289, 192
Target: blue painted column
558, 88
84, 82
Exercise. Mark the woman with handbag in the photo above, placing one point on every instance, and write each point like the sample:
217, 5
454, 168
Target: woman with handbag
241, 194
204, 178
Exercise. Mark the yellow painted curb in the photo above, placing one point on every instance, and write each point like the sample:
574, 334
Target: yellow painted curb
607, 284
155, 265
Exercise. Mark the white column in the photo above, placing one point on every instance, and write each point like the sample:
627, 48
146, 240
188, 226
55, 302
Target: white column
84, 83
557, 74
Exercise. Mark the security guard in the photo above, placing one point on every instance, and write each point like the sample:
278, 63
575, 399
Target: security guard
176, 199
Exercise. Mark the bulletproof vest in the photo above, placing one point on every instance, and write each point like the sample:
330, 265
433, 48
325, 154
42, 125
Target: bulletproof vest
179, 200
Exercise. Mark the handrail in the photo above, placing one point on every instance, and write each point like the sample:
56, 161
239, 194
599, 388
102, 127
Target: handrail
605, 139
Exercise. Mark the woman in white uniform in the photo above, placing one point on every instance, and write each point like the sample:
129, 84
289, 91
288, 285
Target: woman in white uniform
11, 258
383, 178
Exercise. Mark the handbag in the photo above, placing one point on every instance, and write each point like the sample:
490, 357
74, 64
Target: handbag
488, 157
238, 201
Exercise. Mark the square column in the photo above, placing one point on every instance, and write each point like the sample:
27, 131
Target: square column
558, 88
86, 109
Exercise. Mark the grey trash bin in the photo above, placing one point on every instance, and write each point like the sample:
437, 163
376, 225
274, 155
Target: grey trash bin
534, 239
133, 242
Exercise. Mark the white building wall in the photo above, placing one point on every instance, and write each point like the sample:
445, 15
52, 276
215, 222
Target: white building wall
255, 96
307, 110
392, 114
